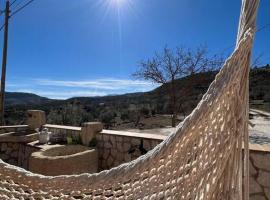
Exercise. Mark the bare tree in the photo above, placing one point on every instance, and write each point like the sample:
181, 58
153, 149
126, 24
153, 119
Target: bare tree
171, 64
199, 61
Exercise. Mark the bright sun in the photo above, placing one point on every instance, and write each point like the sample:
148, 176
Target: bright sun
120, 7
118, 2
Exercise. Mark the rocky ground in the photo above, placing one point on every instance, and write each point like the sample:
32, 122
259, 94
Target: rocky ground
259, 130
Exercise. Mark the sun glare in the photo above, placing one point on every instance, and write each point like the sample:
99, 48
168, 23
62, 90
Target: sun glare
119, 2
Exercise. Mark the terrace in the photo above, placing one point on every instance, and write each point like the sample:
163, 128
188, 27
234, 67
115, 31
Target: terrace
94, 149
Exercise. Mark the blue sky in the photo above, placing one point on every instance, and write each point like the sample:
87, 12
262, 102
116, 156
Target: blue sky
65, 48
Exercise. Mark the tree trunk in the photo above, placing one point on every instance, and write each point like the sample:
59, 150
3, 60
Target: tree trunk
173, 120
173, 102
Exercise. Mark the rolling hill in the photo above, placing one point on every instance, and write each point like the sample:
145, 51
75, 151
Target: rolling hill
20, 98
189, 91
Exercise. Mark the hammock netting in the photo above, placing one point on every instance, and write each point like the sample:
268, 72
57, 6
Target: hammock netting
201, 160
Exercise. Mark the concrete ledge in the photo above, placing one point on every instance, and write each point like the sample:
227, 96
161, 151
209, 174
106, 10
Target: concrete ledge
133, 134
259, 147
6, 129
15, 127
12, 137
39, 146
73, 128
252, 147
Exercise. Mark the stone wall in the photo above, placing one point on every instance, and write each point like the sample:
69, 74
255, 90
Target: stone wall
117, 147
16, 153
259, 172
63, 131
6, 129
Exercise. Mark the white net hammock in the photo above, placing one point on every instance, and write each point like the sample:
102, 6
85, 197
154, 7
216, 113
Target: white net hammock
201, 160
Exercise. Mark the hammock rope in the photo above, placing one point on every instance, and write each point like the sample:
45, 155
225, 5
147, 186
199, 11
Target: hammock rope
200, 160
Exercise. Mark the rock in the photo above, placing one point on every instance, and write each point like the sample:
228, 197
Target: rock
257, 197
254, 187
100, 144
267, 192
261, 160
9, 150
15, 146
110, 161
120, 157
14, 154
100, 153
114, 153
119, 139
155, 143
137, 153
10, 144
89, 131
99, 137
106, 138
107, 145
4, 147
126, 139
28, 151
104, 165
12, 161
20, 158
4, 157
146, 145
135, 141
126, 147
119, 147
252, 170
113, 141
25, 164
127, 157
264, 178
116, 163
106, 153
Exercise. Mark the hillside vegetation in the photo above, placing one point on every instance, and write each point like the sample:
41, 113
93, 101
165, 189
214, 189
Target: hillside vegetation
20, 98
135, 110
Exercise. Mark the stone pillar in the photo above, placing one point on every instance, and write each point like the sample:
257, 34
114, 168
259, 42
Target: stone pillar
36, 118
89, 131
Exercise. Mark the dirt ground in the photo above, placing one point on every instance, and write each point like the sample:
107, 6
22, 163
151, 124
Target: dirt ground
259, 131
146, 123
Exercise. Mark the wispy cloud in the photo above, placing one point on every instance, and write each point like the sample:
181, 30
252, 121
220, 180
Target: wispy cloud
107, 84
62, 89
63, 94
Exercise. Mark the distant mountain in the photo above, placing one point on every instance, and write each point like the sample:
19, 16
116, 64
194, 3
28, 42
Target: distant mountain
21, 98
195, 86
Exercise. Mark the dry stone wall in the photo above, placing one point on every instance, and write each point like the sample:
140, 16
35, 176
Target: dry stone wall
259, 175
6, 129
60, 133
117, 147
114, 150
16, 153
